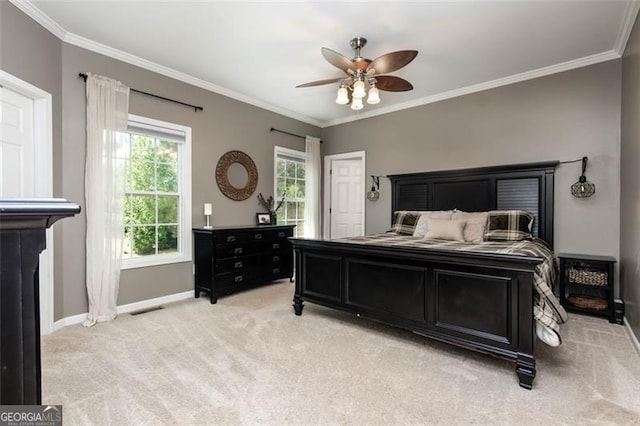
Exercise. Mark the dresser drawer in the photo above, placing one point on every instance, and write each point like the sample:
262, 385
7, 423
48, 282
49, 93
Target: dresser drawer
274, 272
238, 249
234, 279
231, 264
250, 276
242, 236
277, 245
275, 258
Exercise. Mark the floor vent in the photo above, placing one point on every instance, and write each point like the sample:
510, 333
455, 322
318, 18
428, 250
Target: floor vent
144, 311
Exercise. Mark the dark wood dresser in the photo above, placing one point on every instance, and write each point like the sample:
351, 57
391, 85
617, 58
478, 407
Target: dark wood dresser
234, 258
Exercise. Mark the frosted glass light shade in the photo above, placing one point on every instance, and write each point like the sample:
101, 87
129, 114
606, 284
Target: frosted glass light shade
374, 96
207, 209
357, 104
358, 90
343, 96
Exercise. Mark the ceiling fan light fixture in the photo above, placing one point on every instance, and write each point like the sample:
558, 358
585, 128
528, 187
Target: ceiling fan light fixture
364, 75
357, 104
343, 96
358, 90
374, 95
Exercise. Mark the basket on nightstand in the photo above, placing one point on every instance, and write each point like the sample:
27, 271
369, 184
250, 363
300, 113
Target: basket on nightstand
588, 302
587, 277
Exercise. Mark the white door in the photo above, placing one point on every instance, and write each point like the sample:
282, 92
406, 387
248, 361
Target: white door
347, 198
17, 157
25, 169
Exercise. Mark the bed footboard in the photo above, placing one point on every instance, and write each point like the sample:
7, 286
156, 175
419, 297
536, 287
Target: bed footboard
480, 301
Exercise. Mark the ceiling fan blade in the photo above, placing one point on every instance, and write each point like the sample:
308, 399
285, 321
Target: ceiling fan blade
392, 61
391, 83
338, 60
320, 82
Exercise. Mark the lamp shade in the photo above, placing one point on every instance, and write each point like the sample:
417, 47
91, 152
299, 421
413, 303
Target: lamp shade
373, 195
207, 209
374, 96
583, 188
358, 90
343, 96
357, 104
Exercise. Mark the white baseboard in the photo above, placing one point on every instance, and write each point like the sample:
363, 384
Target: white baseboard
124, 309
634, 339
152, 303
72, 320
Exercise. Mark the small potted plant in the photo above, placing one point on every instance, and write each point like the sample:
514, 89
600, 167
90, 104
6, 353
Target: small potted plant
269, 204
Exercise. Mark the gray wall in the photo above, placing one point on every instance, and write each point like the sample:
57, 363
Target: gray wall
630, 182
560, 117
225, 124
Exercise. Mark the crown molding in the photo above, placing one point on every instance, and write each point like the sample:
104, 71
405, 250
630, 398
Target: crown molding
631, 11
43, 19
629, 18
105, 50
516, 78
40, 17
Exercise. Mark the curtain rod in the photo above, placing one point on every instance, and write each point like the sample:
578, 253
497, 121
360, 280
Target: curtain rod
197, 108
288, 133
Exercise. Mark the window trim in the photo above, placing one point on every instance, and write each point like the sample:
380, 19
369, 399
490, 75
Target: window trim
185, 210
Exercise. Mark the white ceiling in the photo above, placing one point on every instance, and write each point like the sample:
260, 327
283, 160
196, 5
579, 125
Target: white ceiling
259, 51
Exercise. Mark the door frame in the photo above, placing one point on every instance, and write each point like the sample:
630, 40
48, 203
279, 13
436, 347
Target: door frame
326, 215
43, 177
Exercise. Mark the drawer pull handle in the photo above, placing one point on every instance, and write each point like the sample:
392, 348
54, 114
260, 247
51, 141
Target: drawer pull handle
257, 236
231, 238
237, 250
238, 279
276, 245
280, 234
238, 265
276, 270
276, 258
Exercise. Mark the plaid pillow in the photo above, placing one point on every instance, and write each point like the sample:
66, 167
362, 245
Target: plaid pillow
508, 225
404, 222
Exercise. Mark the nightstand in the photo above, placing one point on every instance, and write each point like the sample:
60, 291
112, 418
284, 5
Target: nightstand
586, 284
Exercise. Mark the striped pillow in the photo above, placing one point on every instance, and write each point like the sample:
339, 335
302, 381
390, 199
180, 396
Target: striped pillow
404, 222
508, 225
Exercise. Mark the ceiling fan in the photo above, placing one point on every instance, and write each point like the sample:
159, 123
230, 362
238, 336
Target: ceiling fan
362, 72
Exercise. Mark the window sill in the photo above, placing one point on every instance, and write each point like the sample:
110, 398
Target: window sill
144, 262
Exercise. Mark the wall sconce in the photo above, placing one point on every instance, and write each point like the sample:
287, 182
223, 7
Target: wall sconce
583, 188
374, 194
207, 213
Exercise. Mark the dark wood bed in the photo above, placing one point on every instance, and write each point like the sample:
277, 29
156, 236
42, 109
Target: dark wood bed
476, 300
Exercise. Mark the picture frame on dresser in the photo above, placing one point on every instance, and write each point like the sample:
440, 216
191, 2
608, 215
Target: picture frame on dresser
263, 219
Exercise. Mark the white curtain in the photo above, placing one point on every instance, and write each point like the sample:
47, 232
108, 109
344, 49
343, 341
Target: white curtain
312, 208
107, 113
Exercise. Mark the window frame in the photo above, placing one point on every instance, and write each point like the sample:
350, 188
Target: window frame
184, 253
290, 153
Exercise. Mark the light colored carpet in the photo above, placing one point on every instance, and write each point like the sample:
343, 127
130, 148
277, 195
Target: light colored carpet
249, 360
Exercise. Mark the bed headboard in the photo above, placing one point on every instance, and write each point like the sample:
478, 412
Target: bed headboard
518, 186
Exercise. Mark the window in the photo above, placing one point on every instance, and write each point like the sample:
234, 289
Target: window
157, 214
290, 182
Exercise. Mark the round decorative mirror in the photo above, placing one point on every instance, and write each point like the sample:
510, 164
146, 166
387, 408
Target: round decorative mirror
236, 175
